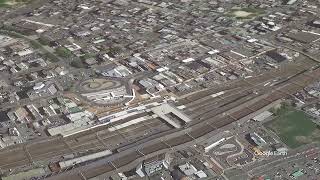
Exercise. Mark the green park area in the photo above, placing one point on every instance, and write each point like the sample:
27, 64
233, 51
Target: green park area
63, 52
6, 3
294, 127
245, 13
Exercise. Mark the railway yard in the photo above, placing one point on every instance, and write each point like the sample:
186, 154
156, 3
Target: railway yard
209, 114
150, 90
239, 105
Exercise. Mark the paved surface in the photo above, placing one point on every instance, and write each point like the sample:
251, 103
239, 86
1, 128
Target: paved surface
196, 131
209, 114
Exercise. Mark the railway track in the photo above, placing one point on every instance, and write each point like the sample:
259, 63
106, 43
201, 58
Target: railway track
209, 122
197, 131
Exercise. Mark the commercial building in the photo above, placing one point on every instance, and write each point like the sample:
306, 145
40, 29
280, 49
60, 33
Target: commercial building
154, 164
257, 140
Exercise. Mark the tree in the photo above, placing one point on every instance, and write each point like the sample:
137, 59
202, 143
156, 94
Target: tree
77, 63
63, 52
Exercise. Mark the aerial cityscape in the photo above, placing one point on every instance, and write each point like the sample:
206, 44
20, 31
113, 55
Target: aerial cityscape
159, 89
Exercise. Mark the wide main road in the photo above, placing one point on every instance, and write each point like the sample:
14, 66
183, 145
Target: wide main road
206, 110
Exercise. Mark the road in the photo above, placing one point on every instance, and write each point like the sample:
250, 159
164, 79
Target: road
209, 114
205, 109
193, 133
242, 98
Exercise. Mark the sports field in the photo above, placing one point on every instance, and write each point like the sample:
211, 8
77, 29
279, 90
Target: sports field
294, 127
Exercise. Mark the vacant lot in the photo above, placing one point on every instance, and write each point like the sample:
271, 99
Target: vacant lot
294, 127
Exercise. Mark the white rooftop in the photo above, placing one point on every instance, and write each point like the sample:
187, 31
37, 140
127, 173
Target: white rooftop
262, 116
